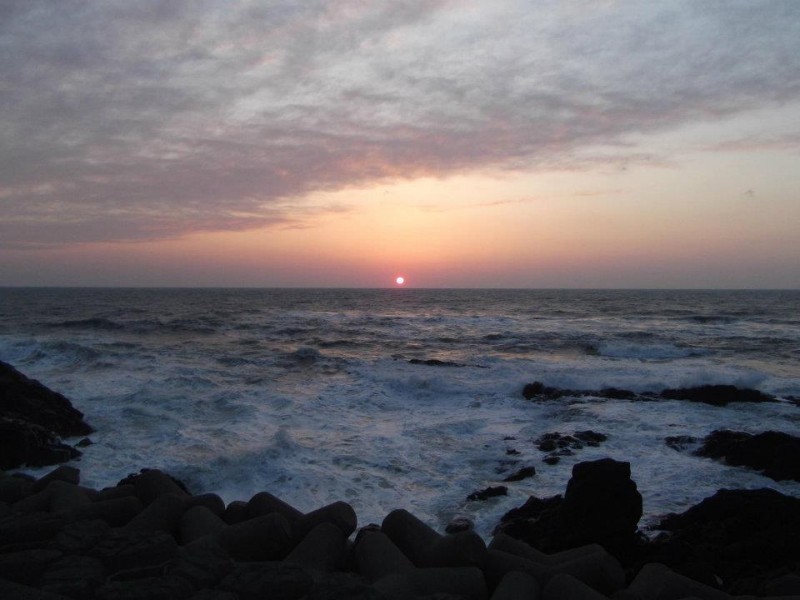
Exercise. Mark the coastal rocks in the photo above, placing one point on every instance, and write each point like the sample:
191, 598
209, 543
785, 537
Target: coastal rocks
25, 443
159, 541
715, 395
489, 492
740, 539
520, 474
558, 445
775, 453
680, 442
601, 505
32, 419
433, 362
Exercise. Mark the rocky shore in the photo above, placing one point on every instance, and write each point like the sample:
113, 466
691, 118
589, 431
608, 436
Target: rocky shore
149, 537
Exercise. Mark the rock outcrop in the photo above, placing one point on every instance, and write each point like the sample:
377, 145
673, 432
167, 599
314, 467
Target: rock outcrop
33, 419
716, 395
601, 505
774, 453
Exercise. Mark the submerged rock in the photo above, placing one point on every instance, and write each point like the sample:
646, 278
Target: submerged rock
489, 492
433, 362
519, 475
558, 444
716, 395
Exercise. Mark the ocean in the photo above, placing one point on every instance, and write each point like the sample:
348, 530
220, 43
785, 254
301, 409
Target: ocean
310, 393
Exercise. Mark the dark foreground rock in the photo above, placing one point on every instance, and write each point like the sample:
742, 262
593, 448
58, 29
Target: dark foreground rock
150, 538
774, 453
744, 540
33, 418
601, 505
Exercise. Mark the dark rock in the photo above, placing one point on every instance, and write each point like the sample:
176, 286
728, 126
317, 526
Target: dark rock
716, 395
601, 502
214, 595
28, 400
680, 442
203, 564
617, 394
74, 576
13, 489
521, 474
432, 362
264, 503
550, 442
236, 512
489, 492
747, 537
322, 549
341, 586
18, 591
505, 465
512, 452
151, 588
338, 513
121, 550
263, 538
534, 510
19, 530
601, 505
26, 566
80, 537
774, 453
150, 484
274, 580
26, 443
63, 473
32, 420
458, 524
539, 391
552, 459
85, 442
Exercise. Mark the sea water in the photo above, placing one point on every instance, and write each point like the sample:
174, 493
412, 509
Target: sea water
311, 395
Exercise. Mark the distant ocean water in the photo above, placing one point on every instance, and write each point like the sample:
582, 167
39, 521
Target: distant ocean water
310, 394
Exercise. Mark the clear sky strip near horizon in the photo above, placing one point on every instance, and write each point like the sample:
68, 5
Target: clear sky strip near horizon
346, 143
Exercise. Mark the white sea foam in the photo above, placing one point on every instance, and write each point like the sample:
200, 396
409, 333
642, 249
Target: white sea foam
240, 392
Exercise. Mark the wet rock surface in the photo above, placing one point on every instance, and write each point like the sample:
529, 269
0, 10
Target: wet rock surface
715, 395
601, 505
33, 419
774, 453
575, 545
741, 539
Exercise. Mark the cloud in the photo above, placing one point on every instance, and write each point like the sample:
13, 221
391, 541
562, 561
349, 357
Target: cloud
136, 121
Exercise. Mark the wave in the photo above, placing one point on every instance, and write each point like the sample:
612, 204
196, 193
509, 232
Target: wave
625, 350
96, 323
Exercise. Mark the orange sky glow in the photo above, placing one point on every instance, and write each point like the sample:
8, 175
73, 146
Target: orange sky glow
313, 158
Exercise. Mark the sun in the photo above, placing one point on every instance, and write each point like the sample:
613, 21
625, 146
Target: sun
400, 280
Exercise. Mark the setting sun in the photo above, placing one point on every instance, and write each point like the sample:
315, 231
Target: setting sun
400, 280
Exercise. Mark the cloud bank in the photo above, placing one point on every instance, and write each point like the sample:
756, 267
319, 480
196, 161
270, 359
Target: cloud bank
130, 121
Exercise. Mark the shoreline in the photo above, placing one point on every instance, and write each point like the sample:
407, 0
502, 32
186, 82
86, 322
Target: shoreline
149, 533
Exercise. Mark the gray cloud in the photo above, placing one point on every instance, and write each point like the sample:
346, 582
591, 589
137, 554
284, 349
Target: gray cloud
133, 121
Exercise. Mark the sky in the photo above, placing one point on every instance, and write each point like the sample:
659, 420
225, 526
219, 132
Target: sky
343, 143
